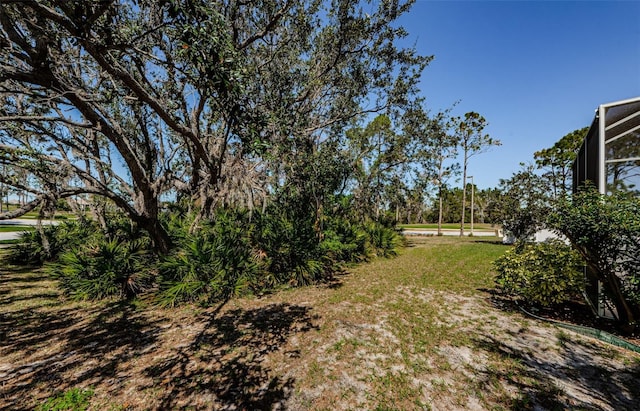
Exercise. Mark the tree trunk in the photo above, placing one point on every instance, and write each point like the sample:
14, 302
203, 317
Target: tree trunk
464, 198
98, 212
147, 218
626, 315
159, 236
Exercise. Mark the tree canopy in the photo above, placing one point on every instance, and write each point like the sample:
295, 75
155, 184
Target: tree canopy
219, 103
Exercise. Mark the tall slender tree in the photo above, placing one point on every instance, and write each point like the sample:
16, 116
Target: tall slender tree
472, 141
444, 146
556, 162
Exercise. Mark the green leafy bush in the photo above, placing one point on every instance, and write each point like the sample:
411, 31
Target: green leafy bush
605, 229
344, 241
289, 248
28, 249
235, 252
383, 241
545, 273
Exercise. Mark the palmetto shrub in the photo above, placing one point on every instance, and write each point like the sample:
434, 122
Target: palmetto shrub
29, 250
382, 241
344, 241
210, 265
105, 268
32, 248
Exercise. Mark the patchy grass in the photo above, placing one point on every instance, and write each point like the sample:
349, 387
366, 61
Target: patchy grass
417, 332
73, 399
12, 228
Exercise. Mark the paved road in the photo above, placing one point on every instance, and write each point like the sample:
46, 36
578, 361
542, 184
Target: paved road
21, 221
27, 221
483, 233
10, 235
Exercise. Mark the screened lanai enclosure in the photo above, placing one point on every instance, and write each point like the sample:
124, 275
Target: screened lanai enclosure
610, 155
609, 158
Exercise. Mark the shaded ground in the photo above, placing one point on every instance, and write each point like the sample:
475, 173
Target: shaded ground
410, 333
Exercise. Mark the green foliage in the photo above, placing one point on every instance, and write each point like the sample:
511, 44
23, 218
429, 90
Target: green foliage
546, 273
210, 265
605, 229
344, 240
28, 249
33, 249
105, 268
524, 204
90, 263
74, 399
283, 243
224, 118
219, 96
556, 162
383, 241
62, 205
308, 272
234, 253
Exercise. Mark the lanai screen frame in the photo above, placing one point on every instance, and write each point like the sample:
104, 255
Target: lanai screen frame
613, 121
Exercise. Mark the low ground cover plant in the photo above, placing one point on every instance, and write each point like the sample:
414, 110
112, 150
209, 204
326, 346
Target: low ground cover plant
74, 399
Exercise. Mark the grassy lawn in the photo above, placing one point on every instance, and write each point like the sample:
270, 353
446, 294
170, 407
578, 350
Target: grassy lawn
417, 332
13, 228
449, 226
11, 207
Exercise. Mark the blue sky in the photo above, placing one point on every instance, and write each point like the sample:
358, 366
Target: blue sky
536, 70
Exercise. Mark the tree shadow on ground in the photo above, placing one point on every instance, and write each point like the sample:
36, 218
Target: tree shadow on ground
576, 381
48, 344
226, 365
52, 346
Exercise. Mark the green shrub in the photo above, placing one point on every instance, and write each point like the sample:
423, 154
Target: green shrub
545, 273
308, 272
210, 265
606, 231
75, 399
290, 250
344, 241
121, 228
383, 241
30, 249
105, 268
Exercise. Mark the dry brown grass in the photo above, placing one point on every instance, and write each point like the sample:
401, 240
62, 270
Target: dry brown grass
415, 332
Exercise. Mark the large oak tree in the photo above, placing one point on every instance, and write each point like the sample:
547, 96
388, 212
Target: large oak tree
219, 103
